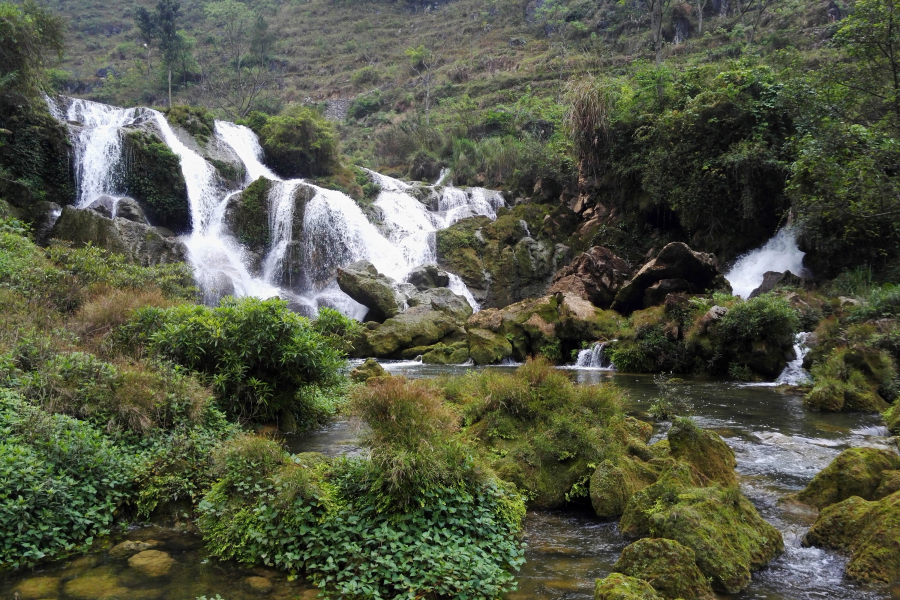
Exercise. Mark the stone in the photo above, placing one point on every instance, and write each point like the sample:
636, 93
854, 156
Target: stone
675, 261
669, 567
656, 294
417, 326
369, 369
444, 300
130, 210
890, 483
104, 205
623, 587
36, 588
141, 243
441, 354
362, 282
153, 563
774, 279
96, 584
595, 276
129, 548
855, 472
704, 450
428, 276
614, 482
258, 585
868, 530
487, 347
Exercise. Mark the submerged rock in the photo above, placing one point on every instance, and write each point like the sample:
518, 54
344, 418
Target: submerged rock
868, 530
37, 588
369, 369
153, 563
258, 585
623, 587
362, 282
129, 548
855, 472
667, 566
595, 276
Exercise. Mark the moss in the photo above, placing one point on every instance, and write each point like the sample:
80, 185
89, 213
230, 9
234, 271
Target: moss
892, 418
868, 530
855, 472
251, 219
196, 120
300, 143
614, 482
852, 378
369, 369
622, 587
704, 450
487, 347
667, 566
442, 354
677, 477
153, 177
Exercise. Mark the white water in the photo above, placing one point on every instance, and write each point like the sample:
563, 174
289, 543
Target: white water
793, 373
778, 254
593, 358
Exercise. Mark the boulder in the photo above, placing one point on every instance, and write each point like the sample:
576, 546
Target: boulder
487, 347
443, 300
152, 563
774, 279
676, 261
140, 242
868, 530
130, 210
36, 588
129, 548
369, 369
855, 472
623, 587
258, 585
704, 450
104, 205
428, 276
614, 482
669, 567
417, 326
97, 584
595, 276
442, 354
362, 282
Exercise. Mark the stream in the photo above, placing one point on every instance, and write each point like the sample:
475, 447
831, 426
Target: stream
779, 446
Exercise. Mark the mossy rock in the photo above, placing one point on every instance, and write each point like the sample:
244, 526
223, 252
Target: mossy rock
667, 566
855, 472
417, 326
892, 418
623, 587
36, 588
704, 450
487, 347
153, 177
635, 520
442, 354
890, 483
852, 379
614, 482
369, 369
248, 215
868, 530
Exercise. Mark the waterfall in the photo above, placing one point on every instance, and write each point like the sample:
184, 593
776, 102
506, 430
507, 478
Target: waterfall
794, 373
778, 254
335, 232
593, 358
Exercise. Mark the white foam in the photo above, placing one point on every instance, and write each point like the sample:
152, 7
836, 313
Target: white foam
778, 254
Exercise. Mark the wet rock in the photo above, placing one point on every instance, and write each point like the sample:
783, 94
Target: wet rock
258, 585
139, 242
444, 300
855, 472
623, 587
595, 276
104, 205
614, 482
129, 548
417, 326
427, 277
704, 450
97, 584
487, 347
890, 483
774, 279
868, 530
36, 588
676, 261
153, 563
362, 282
441, 354
130, 210
667, 566
892, 418
367, 370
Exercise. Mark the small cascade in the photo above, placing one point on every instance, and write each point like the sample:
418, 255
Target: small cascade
281, 221
442, 177
794, 373
246, 145
457, 286
525, 228
594, 358
778, 254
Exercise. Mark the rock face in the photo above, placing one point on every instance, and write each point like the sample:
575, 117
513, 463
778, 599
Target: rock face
774, 279
667, 566
865, 472
427, 277
868, 530
362, 282
676, 268
140, 242
595, 276
623, 587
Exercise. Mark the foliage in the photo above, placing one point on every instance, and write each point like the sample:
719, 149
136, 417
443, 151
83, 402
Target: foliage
256, 353
251, 215
759, 319
196, 120
31, 37
153, 176
299, 143
365, 105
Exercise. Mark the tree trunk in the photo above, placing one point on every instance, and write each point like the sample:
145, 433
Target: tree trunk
656, 26
700, 18
170, 87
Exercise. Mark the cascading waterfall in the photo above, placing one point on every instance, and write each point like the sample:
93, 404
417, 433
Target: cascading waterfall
594, 358
778, 254
335, 232
794, 373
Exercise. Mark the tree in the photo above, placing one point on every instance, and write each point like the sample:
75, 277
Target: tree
658, 9
30, 37
162, 27
236, 72
422, 60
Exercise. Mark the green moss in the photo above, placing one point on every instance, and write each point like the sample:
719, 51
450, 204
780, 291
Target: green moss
614, 482
196, 120
487, 347
667, 566
855, 472
300, 143
892, 418
622, 587
369, 369
869, 531
852, 379
704, 450
251, 218
153, 177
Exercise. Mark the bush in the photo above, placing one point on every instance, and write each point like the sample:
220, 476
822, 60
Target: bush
761, 319
365, 105
301, 143
61, 482
256, 353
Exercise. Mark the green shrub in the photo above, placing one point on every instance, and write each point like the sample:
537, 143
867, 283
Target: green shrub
365, 105
300, 143
61, 482
256, 353
196, 120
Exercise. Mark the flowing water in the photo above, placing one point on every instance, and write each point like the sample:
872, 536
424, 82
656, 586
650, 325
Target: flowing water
778, 254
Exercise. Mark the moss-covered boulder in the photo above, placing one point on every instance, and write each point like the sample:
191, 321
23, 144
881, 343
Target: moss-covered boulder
362, 282
614, 482
443, 354
704, 450
623, 587
852, 378
418, 326
369, 369
675, 478
868, 530
892, 418
855, 472
487, 347
444, 300
141, 243
153, 177
667, 566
